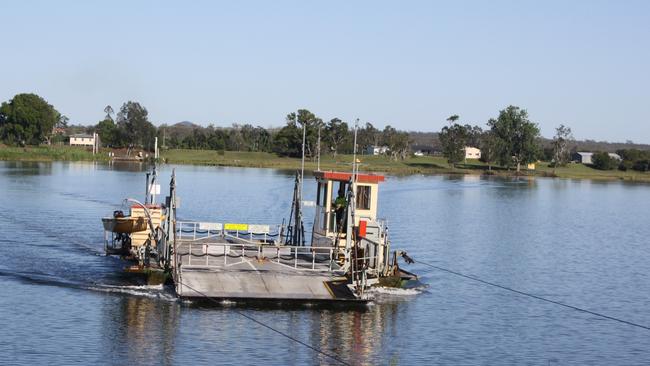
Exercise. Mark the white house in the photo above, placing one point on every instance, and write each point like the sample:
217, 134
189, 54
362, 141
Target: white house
376, 150
82, 139
472, 153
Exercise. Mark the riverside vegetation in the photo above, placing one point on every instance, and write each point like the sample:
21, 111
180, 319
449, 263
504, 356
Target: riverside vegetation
33, 130
410, 165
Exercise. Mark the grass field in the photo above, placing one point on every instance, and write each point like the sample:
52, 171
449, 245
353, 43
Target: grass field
49, 153
340, 162
412, 165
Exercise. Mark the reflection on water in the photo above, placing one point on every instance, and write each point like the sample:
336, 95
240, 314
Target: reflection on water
24, 168
147, 332
579, 242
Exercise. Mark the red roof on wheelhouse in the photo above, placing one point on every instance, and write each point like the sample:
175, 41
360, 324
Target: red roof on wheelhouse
346, 176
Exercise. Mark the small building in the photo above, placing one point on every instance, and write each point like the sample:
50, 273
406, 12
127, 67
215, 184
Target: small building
615, 156
376, 150
472, 152
83, 139
586, 157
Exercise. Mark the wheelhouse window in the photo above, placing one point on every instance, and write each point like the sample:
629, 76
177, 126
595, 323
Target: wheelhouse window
321, 194
318, 194
363, 197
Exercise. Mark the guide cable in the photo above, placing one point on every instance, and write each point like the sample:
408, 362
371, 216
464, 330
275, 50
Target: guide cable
315, 349
534, 296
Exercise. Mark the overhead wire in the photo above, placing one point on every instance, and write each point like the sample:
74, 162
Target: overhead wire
523, 293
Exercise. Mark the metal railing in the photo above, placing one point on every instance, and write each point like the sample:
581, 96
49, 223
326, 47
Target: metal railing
187, 230
221, 255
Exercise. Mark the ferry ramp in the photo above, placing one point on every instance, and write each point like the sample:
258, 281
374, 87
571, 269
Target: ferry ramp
235, 269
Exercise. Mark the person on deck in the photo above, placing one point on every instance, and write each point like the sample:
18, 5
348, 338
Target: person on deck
339, 206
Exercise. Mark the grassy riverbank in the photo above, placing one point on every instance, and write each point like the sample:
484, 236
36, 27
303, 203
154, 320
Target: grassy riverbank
412, 165
49, 153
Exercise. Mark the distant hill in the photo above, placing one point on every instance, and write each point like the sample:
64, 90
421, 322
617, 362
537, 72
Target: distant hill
185, 124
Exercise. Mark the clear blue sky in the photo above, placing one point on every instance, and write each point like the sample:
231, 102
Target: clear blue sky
408, 64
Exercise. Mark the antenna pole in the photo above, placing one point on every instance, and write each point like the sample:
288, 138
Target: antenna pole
318, 147
302, 168
354, 151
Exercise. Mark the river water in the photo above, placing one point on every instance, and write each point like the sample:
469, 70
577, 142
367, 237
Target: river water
582, 243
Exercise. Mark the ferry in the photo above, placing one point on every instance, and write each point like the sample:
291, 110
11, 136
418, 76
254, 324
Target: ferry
349, 250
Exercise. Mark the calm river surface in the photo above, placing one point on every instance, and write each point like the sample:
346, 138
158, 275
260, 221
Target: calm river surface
579, 242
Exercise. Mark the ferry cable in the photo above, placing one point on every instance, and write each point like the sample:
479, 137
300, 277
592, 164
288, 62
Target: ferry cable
534, 296
315, 349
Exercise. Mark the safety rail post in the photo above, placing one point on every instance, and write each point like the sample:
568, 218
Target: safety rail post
278, 254
313, 259
194, 232
189, 259
207, 256
331, 258
295, 263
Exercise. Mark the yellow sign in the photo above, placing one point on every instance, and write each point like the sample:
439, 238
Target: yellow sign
236, 227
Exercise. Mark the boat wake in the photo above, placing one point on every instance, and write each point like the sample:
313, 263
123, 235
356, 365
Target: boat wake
393, 291
158, 292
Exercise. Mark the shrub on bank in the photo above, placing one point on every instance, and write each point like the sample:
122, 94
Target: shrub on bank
602, 161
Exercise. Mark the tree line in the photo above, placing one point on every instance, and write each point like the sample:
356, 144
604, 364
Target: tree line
510, 140
27, 119
630, 159
333, 137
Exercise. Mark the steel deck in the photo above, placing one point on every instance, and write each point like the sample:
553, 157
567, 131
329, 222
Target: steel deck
231, 270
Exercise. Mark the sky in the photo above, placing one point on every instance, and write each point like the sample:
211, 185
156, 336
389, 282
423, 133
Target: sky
410, 64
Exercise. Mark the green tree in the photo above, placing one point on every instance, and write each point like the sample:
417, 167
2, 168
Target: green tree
62, 122
311, 123
602, 161
489, 148
336, 132
561, 151
288, 141
107, 131
134, 126
641, 165
368, 136
254, 138
453, 140
109, 112
517, 137
474, 135
452, 119
27, 119
396, 141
